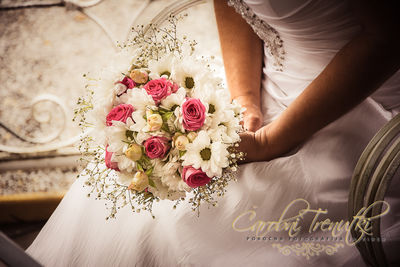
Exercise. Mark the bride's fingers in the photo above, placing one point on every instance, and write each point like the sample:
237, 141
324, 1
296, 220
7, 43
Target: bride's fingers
252, 124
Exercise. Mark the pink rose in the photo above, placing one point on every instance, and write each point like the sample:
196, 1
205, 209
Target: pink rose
175, 88
160, 89
194, 114
156, 147
128, 82
194, 177
119, 113
109, 163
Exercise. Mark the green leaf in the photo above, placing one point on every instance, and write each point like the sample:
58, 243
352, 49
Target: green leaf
167, 116
163, 110
165, 128
129, 135
151, 183
174, 107
144, 158
181, 153
139, 166
149, 171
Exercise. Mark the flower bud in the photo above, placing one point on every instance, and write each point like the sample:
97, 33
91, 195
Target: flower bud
155, 122
181, 142
119, 89
134, 152
139, 76
191, 136
139, 182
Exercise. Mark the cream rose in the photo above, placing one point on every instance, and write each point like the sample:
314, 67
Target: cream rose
134, 152
181, 142
139, 76
139, 182
154, 121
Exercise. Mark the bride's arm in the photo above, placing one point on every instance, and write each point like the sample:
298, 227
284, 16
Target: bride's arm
242, 54
355, 72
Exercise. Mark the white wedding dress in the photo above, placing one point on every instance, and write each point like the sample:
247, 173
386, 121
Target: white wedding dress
319, 171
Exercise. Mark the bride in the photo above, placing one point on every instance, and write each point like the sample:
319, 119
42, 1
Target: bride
318, 79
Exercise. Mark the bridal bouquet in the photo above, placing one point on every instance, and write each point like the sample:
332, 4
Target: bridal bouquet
164, 126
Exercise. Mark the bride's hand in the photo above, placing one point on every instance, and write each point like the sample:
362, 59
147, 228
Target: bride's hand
252, 116
255, 145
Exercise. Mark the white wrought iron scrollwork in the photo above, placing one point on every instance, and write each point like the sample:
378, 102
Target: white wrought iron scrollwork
43, 143
46, 116
43, 116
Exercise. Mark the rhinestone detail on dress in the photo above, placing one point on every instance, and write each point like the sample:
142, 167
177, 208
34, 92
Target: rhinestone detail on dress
269, 35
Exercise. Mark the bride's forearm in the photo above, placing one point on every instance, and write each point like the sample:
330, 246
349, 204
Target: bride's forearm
357, 70
242, 54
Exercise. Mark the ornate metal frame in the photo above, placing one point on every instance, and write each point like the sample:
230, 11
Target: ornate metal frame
371, 179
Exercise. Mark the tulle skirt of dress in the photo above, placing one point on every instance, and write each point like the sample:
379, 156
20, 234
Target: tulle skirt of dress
319, 171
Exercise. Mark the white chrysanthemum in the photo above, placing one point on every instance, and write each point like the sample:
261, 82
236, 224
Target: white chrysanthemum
162, 191
174, 99
116, 136
175, 183
173, 155
117, 143
103, 91
139, 122
161, 66
121, 61
124, 163
236, 107
231, 122
211, 157
139, 99
216, 133
169, 176
141, 137
124, 178
189, 73
217, 98
157, 167
227, 129
102, 102
178, 120
216, 102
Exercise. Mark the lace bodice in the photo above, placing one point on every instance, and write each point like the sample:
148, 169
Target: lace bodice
269, 35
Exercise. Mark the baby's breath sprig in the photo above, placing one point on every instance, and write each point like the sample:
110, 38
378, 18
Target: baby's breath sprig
153, 42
